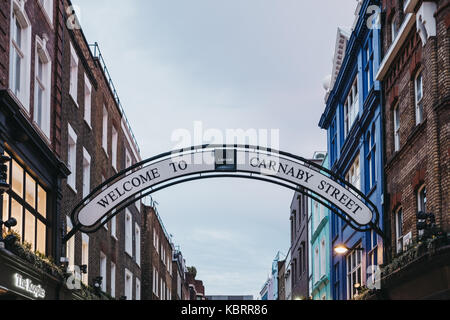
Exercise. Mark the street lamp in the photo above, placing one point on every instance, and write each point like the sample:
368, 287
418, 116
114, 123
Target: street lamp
342, 249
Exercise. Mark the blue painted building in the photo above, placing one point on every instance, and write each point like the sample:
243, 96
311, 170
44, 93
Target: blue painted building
320, 288
353, 120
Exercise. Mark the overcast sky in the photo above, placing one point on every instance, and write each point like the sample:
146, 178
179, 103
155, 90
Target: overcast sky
230, 64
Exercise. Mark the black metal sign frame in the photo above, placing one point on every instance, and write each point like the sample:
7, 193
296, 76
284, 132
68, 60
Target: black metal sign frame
225, 167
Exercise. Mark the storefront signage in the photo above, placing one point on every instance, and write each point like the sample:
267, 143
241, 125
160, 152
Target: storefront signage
27, 285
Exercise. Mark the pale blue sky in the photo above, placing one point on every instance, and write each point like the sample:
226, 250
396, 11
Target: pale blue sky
230, 64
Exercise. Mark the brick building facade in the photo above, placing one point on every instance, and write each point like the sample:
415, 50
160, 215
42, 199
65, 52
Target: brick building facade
299, 247
416, 80
157, 250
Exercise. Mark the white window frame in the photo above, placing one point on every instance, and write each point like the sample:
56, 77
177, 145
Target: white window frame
47, 8
155, 282
114, 146
128, 232
137, 240
73, 80
103, 263
72, 158
114, 227
357, 268
397, 128
70, 245
128, 286
351, 107
86, 173
138, 289
85, 256
20, 51
105, 130
353, 175
419, 101
42, 103
87, 101
113, 279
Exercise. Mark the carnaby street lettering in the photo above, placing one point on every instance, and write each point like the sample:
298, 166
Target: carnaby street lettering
312, 180
128, 186
281, 168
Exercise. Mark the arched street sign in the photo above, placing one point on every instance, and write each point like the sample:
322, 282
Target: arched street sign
224, 161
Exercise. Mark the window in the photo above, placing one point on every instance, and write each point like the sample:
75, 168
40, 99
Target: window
304, 256
138, 289
114, 148
399, 229
323, 258
316, 265
353, 175
103, 270
369, 66
105, 130
73, 86
128, 285
128, 160
137, 240
47, 6
419, 98
87, 100
351, 107
394, 30
354, 272
85, 256
128, 233
336, 281
155, 281
396, 128
421, 203
42, 87
333, 139
70, 245
104, 219
26, 201
72, 158
113, 279
86, 173
20, 54
370, 159
372, 256
114, 227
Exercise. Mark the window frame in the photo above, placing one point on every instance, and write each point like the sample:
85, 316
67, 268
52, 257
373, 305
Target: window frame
350, 271
73, 74
23, 51
72, 158
419, 110
88, 101
128, 232
27, 209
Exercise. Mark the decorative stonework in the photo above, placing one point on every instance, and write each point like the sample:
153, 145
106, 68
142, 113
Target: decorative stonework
426, 22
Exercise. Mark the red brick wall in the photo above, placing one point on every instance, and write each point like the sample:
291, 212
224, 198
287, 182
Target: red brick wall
424, 149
